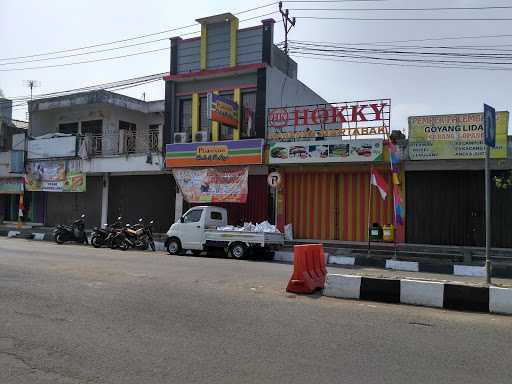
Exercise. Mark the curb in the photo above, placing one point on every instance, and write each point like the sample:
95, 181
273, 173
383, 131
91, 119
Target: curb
499, 271
420, 292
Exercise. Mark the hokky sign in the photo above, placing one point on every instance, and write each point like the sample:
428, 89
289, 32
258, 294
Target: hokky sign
349, 119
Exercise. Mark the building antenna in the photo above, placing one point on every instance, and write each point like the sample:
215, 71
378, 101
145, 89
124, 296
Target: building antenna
32, 84
288, 24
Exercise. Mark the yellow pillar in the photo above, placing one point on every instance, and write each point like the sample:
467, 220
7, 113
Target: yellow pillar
237, 99
203, 52
233, 42
195, 115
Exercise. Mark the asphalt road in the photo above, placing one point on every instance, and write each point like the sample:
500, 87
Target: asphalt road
74, 314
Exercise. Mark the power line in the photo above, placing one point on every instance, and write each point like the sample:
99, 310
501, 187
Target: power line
402, 9
402, 65
402, 19
417, 40
130, 38
108, 58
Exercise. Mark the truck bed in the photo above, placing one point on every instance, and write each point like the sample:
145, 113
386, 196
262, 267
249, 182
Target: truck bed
253, 238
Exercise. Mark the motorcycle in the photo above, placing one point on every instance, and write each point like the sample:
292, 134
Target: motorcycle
139, 236
104, 236
74, 232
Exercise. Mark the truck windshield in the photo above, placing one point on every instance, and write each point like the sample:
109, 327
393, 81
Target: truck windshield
193, 216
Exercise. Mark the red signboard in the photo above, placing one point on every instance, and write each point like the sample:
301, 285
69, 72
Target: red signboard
349, 119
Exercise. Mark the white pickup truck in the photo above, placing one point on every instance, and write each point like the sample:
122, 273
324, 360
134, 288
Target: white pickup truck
197, 231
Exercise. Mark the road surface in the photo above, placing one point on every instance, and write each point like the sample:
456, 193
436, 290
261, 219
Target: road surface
75, 314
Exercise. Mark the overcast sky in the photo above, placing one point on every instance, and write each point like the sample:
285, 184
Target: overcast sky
29, 27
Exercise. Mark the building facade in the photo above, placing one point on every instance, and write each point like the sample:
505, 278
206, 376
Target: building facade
114, 143
226, 71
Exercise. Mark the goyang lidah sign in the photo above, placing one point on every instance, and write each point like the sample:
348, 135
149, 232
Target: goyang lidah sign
459, 136
346, 120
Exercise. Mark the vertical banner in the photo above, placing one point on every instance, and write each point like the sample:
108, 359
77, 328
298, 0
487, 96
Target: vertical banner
213, 185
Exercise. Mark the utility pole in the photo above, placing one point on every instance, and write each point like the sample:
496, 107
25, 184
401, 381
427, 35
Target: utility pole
288, 24
489, 118
32, 84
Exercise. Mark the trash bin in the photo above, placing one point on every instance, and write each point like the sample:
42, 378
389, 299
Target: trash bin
388, 232
375, 232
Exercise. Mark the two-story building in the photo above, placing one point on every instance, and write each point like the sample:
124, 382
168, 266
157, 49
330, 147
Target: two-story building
99, 153
12, 142
218, 89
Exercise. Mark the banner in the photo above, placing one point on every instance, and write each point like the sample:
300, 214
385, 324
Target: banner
55, 176
348, 120
326, 151
213, 185
205, 154
11, 185
455, 137
43, 148
223, 110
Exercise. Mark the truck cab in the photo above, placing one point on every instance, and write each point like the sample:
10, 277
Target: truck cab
190, 228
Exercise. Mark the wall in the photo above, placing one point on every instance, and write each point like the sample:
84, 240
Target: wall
447, 208
284, 91
188, 52
249, 45
123, 164
149, 197
63, 207
217, 51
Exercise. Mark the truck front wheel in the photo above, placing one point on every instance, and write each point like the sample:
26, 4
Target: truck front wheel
238, 250
173, 246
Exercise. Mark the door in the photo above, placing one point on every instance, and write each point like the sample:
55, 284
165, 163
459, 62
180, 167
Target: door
191, 230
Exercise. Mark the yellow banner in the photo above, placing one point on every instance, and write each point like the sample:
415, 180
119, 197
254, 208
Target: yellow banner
458, 136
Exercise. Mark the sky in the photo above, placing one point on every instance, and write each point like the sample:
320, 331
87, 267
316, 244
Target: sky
29, 27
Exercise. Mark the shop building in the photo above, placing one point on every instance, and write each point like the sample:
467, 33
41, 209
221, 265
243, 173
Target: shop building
324, 154
445, 181
101, 154
12, 143
217, 92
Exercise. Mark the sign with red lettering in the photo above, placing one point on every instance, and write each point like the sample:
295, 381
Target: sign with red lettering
348, 120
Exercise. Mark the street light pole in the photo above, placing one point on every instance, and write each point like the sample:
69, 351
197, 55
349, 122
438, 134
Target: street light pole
487, 216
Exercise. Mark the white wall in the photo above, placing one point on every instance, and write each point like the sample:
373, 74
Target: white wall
122, 164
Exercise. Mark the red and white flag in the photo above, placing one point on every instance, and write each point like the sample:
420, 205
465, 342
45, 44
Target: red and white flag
380, 183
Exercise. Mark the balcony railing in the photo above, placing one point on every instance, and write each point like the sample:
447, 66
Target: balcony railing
121, 143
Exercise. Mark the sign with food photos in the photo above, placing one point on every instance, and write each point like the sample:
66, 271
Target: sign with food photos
326, 151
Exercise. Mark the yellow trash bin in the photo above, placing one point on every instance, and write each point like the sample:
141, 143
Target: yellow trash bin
388, 233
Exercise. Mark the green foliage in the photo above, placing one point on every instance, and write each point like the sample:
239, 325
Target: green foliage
503, 182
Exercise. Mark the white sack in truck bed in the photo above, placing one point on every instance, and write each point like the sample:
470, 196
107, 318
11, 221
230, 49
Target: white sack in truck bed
264, 226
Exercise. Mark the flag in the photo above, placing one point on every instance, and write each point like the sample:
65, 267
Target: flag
393, 154
397, 203
21, 207
396, 180
380, 183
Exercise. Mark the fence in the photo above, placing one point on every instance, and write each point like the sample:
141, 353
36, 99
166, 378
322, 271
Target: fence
122, 142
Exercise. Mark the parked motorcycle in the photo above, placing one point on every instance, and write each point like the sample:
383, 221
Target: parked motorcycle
74, 232
140, 235
103, 236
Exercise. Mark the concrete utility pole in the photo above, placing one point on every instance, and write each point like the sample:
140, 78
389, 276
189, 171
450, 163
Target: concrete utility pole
490, 141
286, 20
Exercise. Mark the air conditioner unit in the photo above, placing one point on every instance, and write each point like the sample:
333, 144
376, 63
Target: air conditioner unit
180, 137
202, 136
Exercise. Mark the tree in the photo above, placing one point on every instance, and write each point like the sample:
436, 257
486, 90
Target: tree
505, 181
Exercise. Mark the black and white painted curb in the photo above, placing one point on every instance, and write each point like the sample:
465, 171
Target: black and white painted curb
420, 292
504, 271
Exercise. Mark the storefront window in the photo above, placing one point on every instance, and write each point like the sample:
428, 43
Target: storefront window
185, 116
248, 128
204, 124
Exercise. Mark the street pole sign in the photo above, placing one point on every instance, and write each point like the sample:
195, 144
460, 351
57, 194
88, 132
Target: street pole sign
490, 141
490, 126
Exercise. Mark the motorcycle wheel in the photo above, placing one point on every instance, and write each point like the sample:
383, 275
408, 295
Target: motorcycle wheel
96, 242
123, 246
60, 238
